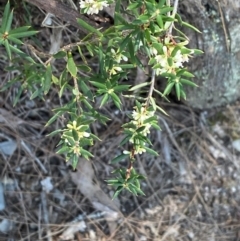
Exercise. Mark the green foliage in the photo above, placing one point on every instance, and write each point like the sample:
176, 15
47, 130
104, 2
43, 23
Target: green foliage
148, 33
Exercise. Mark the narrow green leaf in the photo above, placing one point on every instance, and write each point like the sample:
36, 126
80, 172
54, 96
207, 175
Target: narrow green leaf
162, 110
125, 42
74, 161
9, 22
14, 40
140, 129
86, 90
82, 55
21, 54
90, 49
198, 51
186, 50
16, 99
121, 88
120, 22
8, 48
151, 151
183, 94
88, 27
166, 10
160, 21
139, 86
104, 100
71, 66
99, 85
125, 140
53, 133
23, 34
117, 16
35, 94
188, 82
134, 5
84, 68
119, 158
119, 189
170, 61
55, 80
156, 126
63, 150
131, 52
140, 191
75, 135
184, 72
147, 35
179, 19
190, 26
178, 89
19, 30
88, 105
153, 103
161, 3
168, 88
175, 50
116, 100
62, 89
5, 16
86, 153
47, 79
131, 188
150, 119
59, 55
158, 47
55, 117
113, 181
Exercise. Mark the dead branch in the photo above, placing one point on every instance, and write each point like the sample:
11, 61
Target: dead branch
63, 12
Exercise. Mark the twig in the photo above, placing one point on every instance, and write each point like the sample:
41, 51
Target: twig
151, 87
227, 39
35, 158
45, 214
175, 6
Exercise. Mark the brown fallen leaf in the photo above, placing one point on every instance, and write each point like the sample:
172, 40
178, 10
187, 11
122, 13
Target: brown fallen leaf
85, 180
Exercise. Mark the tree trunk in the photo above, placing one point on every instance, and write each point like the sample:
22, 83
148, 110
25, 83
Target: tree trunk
217, 71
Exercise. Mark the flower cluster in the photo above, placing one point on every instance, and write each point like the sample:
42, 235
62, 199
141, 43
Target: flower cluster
118, 57
139, 128
139, 118
73, 136
93, 6
170, 59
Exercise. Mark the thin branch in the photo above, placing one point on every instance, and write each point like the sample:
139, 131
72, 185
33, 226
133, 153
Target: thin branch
175, 7
151, 87
227, 39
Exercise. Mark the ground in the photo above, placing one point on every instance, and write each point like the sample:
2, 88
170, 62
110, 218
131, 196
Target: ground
192, 188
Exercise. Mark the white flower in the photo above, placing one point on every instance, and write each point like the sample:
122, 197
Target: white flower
118, 56
114, 70
178, 59
185, 57
162, 60
93, 6
139, 150
153, 51
140, 116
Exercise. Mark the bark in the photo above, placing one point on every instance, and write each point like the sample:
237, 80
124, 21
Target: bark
217, 71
